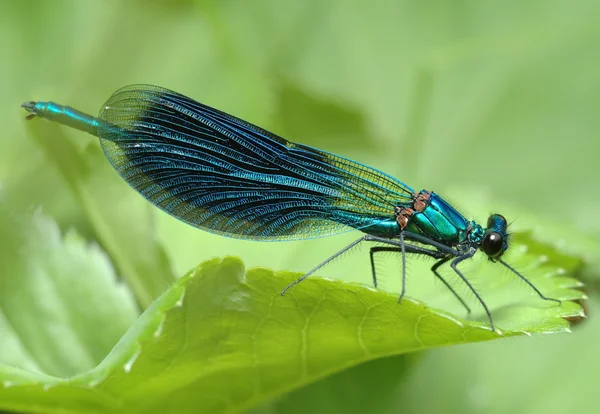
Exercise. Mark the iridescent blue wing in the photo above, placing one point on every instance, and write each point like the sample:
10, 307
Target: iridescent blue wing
226, 176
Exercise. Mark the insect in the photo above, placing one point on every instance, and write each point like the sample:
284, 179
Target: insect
227, 176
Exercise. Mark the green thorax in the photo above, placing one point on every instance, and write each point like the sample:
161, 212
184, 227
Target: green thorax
441, 222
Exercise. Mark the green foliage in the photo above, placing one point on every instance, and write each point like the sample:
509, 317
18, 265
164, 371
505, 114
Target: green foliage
62, 308
493, 106
218, 328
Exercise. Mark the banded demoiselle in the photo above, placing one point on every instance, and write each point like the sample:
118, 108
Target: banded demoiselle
227, 176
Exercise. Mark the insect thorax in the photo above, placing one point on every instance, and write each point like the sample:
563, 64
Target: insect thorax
431, 216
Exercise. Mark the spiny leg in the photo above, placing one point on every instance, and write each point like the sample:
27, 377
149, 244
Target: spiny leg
528, 282
435, 272
372, 252
454, 263
442, 249
378, 249
402, 249
418, 250
320, 265
401, 246
409, 248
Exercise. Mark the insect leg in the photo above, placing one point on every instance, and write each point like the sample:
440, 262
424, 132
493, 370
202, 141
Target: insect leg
434, 269
528, 282
454, 263
409, 248
323, 263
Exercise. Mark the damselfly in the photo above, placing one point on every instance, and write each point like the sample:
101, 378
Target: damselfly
227, 176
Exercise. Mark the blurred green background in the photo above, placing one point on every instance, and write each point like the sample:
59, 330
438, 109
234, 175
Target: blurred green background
488, 104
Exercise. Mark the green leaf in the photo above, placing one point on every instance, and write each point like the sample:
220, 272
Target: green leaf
223, 340
512, 106
61, 307
121, 219
374, 384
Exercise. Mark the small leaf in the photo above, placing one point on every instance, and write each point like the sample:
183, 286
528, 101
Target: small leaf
61, 307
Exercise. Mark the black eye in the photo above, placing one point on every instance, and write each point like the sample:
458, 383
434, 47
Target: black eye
492, 244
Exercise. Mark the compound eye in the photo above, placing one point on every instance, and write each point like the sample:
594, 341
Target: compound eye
492, 244
496, 221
